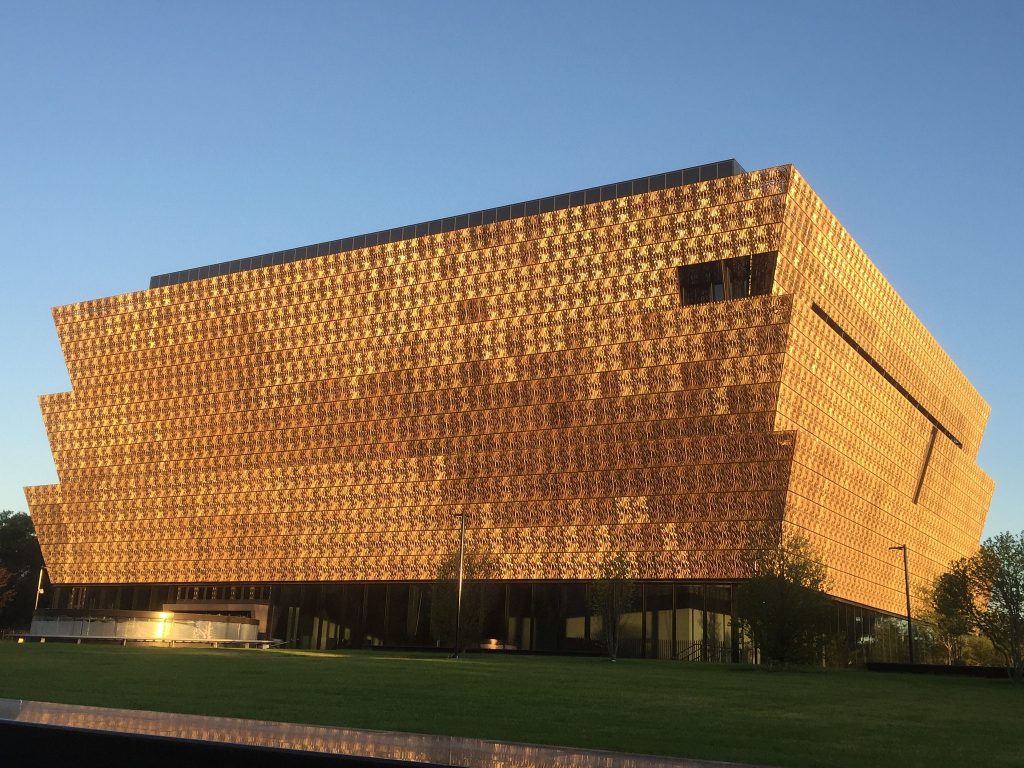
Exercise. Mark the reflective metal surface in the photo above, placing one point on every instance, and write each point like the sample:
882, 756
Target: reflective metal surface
321, 420
142, 625
439, 750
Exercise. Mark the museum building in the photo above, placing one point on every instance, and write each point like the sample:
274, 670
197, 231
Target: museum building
669, 371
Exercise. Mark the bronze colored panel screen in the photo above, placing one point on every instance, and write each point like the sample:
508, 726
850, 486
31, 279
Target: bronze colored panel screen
570, 379
324, 419
865, 386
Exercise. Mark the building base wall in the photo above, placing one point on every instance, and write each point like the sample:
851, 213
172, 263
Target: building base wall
691, 621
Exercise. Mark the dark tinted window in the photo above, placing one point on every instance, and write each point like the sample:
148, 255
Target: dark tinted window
737, 275
734, 278
762, 275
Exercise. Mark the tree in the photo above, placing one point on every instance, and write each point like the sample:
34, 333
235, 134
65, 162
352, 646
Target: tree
784, 605
979, 652
7, 590
986, 592
611, 597
477, 596
20, 556
942, 611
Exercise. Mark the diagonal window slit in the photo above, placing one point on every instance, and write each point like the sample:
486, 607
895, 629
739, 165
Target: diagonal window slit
924, 464
888, 377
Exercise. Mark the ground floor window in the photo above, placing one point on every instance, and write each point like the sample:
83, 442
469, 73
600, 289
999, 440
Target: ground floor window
692, 621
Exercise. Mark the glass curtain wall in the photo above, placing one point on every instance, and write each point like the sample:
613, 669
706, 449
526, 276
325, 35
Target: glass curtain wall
663, 620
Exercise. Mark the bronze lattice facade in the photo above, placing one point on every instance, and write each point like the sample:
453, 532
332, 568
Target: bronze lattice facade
565, 373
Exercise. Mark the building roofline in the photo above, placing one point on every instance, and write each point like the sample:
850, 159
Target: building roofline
669, 180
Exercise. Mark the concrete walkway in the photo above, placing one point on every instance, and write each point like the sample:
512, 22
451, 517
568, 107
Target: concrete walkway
388, 745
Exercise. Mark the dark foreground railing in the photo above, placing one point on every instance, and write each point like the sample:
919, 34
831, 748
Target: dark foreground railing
54, 745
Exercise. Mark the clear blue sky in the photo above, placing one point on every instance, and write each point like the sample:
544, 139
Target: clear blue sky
140, 138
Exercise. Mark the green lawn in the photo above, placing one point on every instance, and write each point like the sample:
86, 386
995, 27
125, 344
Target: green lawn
808, 718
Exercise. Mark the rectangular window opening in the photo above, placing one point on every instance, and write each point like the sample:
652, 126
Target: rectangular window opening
737, 278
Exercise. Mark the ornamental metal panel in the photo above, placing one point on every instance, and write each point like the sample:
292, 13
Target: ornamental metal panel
325, 418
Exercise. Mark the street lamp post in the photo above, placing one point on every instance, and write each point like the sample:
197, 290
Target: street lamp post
39, 588
906, 587
458, 598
